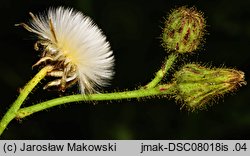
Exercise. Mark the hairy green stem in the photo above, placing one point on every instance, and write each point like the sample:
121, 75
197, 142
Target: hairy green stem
156, 91
151, 89
11, 113
163, 71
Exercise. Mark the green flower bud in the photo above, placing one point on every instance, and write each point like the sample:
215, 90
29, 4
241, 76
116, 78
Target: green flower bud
183, 30
197, 85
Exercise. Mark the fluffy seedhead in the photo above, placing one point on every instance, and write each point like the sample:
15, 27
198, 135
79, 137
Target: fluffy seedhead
74, 46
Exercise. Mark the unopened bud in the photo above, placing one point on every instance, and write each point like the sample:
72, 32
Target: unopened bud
184, 29
197, 85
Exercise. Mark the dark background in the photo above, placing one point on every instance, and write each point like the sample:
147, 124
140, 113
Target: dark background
133, 28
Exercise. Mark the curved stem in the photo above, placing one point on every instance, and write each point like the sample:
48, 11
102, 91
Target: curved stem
159, 90
163, 71
11, 113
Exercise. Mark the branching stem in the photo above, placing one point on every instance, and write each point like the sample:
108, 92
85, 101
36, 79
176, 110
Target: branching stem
151, 89
163, 71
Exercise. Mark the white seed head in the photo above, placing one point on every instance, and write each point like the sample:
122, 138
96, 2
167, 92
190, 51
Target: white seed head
75, 46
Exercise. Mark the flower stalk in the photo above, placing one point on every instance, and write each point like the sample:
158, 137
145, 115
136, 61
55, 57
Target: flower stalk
11, 113
140, 93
